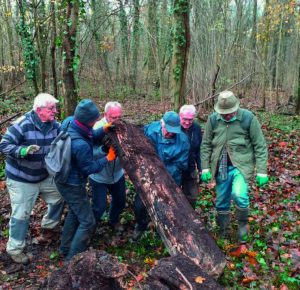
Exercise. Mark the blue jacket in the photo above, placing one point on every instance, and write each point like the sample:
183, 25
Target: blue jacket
82, 162
25, 131
195, 137
173, 152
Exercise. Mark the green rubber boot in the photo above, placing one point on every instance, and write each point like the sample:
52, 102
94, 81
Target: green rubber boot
223, 221
242, 218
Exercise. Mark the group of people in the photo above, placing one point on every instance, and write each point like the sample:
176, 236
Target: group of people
233, 146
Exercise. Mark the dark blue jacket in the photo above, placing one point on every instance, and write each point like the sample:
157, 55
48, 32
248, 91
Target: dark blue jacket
195, 136
82, 162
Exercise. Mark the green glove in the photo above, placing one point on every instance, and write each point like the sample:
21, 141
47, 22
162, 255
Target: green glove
29, 150
262, 179
206, 175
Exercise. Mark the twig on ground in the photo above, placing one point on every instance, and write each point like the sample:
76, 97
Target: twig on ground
184, 278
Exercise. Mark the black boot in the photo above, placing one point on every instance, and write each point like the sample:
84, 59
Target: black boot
223, 220
242, 218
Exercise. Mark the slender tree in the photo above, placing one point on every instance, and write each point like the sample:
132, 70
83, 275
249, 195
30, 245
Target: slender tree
69, 54
181, 44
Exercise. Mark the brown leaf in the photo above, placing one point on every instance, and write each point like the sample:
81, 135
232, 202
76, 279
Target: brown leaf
199, 279
2, 185
237, 252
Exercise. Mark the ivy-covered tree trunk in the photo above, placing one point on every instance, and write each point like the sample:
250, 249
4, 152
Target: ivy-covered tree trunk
53, 49
29, 51
181, 44
135, 42
9, 31
124, 41
69, 54
39, 15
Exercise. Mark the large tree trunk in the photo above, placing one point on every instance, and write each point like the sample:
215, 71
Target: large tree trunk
177, 223
69, 47
181, 46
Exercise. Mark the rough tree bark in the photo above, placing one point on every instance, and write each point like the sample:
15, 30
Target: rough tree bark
69, 47
179, 272
177, 223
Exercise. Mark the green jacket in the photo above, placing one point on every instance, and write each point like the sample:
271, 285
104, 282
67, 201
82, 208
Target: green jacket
246, 148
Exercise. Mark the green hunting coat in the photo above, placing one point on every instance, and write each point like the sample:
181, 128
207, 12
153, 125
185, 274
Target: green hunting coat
246, 147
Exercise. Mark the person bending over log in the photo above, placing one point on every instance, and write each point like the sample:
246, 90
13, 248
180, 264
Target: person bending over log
172, 146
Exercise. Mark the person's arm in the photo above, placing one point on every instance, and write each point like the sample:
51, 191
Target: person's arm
98, 134
259, 145
206, 145
198, 149
84, 159
11, 143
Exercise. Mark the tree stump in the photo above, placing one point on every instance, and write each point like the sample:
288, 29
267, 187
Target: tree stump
177, 223
89, 270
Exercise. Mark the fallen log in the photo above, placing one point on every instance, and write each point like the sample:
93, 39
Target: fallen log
179, 272
177, 223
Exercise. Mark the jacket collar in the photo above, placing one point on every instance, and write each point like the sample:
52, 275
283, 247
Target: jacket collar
239, 115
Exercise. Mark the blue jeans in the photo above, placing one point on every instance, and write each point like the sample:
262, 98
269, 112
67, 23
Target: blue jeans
99, 199
235, 187
80, 222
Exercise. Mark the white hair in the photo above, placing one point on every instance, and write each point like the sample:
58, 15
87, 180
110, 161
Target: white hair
42, 99
190, 109
110, 105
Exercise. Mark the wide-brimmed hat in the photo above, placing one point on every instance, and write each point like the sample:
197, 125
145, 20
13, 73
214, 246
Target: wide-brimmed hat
172, 122
227, 103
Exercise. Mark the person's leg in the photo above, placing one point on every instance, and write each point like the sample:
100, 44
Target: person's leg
22, 197
71, 222
141, 217
223, 190
80, 206
99, 199
241, 198
118, 194
190, 187
55, 203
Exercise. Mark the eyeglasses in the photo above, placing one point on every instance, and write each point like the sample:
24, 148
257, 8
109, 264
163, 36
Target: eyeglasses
52, 108
187, 120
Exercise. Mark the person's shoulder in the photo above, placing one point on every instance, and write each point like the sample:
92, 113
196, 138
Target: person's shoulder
183, 137
154, 126
196, 126
100, 123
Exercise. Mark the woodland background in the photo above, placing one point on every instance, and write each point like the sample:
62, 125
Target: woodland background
153, 56
183, 50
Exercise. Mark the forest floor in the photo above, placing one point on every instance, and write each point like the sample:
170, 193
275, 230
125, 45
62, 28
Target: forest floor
270, 259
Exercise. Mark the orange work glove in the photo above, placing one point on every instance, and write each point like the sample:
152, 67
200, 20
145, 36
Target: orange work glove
111, 156
108, 127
